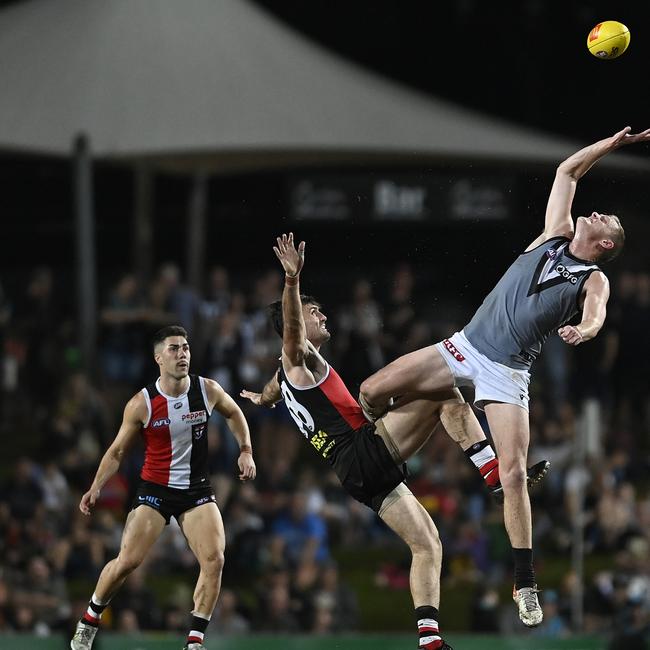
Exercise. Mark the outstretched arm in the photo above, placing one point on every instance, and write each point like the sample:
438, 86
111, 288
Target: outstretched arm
294, 336
558, 219
270, 395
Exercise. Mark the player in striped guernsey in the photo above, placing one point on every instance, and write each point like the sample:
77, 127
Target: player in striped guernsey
172, 416
556, 278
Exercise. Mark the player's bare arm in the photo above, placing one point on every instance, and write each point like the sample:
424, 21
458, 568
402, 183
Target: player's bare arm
594, 311
295, 347
228, 408
135, 415
270, 395
558, 219
294, 335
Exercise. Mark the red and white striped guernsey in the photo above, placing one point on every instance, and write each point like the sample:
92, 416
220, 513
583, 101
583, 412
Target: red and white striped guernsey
176, 436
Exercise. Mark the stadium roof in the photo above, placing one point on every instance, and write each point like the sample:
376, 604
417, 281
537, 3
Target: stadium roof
222, 83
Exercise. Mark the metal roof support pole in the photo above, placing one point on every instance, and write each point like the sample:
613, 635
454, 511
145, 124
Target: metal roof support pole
589, 429
142, 251
86, 261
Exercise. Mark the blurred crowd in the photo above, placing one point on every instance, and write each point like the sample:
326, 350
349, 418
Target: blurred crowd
590, 416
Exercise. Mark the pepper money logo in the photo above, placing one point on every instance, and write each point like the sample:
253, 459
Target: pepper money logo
195, 417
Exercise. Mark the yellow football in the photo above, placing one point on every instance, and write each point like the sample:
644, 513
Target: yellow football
608, 40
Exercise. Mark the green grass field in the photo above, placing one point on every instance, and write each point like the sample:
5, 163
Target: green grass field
356, 642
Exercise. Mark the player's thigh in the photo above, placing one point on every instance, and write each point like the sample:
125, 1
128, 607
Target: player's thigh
142, 528
203, 529
408, 518
421, 371
510, 429
411, 424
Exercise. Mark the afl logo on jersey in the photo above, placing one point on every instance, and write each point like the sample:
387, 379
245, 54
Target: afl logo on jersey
551, 253
161, 422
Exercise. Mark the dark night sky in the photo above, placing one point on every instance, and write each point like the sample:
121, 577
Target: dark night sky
526, 61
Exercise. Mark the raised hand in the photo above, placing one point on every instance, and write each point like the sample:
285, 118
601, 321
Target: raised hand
624, 137
292, 260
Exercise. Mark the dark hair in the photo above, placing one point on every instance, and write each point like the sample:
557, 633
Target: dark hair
617, 235
170, 330
274, 311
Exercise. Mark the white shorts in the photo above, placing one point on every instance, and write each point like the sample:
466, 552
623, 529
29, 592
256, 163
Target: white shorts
492, 381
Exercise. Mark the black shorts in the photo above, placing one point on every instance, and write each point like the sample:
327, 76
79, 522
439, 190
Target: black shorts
172, 502
371, 471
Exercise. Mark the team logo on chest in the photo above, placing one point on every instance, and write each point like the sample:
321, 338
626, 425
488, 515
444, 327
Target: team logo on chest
198, 430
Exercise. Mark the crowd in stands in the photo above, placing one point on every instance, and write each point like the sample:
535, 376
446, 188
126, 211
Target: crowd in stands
287, 529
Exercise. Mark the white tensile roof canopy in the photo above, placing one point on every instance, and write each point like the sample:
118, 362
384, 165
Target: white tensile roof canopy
220, 80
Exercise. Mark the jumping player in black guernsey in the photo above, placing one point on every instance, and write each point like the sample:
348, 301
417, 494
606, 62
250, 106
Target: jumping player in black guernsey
368, 458
172, 416
555, 278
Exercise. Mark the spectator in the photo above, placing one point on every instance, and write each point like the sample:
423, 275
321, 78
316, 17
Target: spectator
43, 593
360, 335
79, 428
137, 606
22, 492
123, 321
6, 610
37, 319
553, 626
338, 598
276, 615
179, 299
300, 534
55, 489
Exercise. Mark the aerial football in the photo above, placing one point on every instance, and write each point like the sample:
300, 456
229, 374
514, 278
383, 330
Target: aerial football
608, 40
